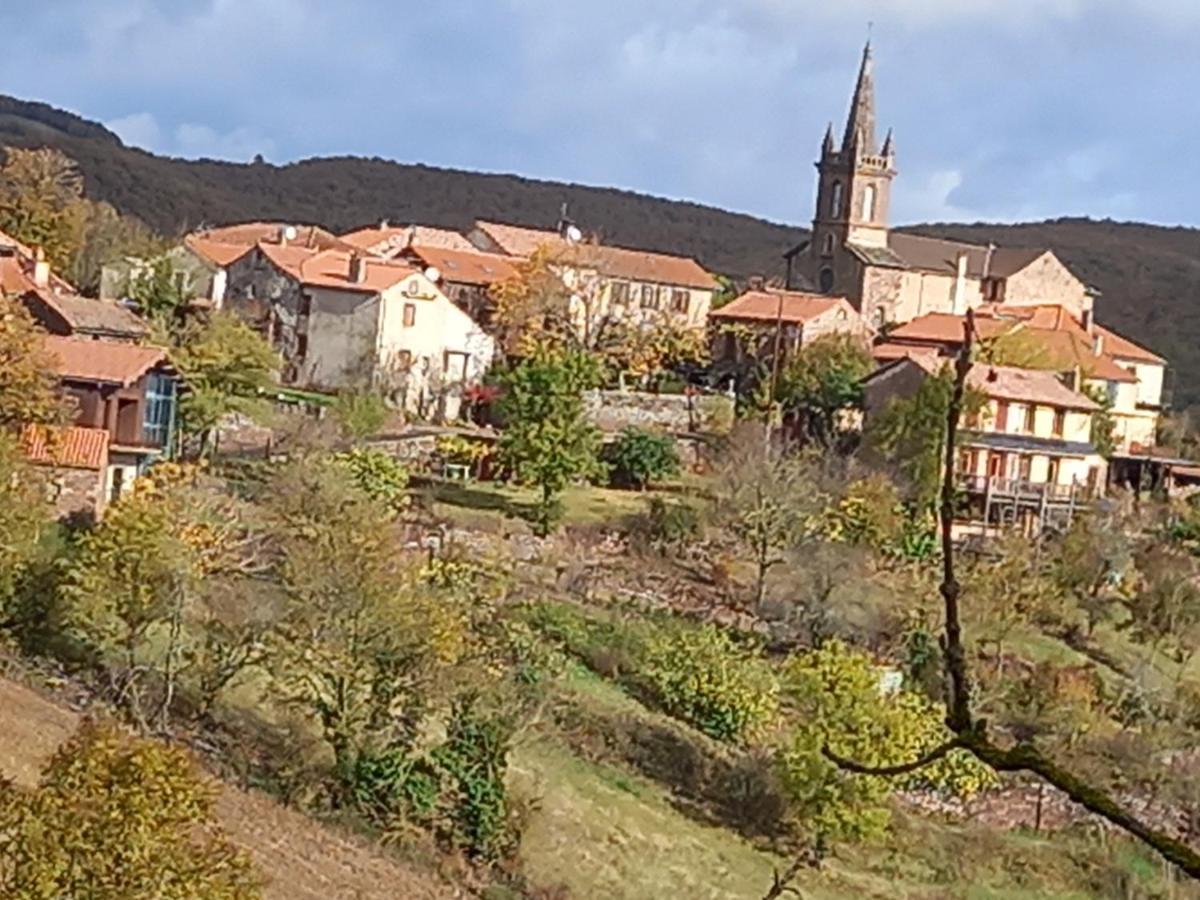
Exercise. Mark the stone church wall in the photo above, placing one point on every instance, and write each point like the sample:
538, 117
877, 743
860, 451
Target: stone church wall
1046, 280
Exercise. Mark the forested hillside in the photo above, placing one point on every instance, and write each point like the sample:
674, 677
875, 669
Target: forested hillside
1147, 275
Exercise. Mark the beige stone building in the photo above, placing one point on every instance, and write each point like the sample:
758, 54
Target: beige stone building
893, 277
1026, 458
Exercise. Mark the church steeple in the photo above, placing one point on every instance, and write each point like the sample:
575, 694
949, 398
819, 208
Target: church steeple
860, 124
827, 146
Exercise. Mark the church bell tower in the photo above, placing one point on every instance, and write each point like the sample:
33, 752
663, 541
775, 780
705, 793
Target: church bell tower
854, 183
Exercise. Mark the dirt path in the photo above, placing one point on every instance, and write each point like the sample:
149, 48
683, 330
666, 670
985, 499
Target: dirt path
301, 859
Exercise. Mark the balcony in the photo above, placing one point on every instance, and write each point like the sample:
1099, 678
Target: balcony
1024, 492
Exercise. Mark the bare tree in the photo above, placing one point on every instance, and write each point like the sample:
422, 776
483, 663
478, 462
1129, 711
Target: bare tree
971, 734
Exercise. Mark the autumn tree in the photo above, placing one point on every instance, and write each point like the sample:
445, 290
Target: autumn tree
225, 364
361, 637
532, 307
160, 291
547, 440
822, 381
41, 202
23, 514
29, 391
114, 818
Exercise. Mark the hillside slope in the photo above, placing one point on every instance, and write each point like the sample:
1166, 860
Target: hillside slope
1148, 275
299, 858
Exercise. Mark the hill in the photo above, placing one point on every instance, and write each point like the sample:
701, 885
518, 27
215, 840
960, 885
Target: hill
1147, 274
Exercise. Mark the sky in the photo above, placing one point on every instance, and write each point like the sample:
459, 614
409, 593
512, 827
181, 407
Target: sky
1004, 110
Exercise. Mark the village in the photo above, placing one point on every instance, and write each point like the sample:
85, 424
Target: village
508, 561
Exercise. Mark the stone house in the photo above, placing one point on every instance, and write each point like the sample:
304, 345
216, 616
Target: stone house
745, 332
465, 276
74, 462
343, 319
610, 284
129, 392
390, 241
1026, 458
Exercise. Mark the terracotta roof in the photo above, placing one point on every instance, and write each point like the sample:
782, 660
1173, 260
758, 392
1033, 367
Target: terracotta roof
1026, 385
1123, 348
469, 267
247, 234
888, 352
73, 447
85, 315
946, 328
331, 268
402, 237
615, 262
80, 359
218, 253
1066, 349
16, 273
765, 305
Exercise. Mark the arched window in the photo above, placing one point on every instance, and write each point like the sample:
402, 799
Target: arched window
879, 318
835, 199
827, 247
868, 203
825, 280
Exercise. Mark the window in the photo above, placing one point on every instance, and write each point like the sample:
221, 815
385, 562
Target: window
868, 203
825, 280
118, 484
404, 360
879, 318
1052, 471
1060, 422
410, 315
301, 347
1024, 467
967, 461
306, 304
620, 292
680, 301
649, 297
1002, 415
827, 246
835, 199
1030, 418
160, 409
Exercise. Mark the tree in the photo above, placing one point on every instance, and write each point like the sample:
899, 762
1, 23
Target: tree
361, 638
118, 819
29, 391
225, 364
361, 413
547, 440
638, 457
160, 291
532, 307
41, 202
23, 511
1104, 426
766, 499
822, 381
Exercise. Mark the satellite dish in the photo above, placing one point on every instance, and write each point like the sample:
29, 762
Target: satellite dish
433, 274
289, 233
574, 235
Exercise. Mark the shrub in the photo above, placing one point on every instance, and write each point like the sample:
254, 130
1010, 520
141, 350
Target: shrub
381, 476
453, 448
638, 457
670, 523
360, 414
702, 676
840, 705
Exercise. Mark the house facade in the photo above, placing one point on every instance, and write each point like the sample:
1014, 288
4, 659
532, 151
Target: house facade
342, 320
610, 284
745, 333
73, 461
127, 391
1025, 455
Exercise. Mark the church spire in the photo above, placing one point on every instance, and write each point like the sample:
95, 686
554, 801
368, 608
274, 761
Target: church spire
860, 124
827, 146
889, 145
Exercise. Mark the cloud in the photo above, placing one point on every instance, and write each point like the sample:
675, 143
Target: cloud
191, 140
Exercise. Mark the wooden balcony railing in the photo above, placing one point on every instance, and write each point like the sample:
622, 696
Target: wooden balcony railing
1025, 490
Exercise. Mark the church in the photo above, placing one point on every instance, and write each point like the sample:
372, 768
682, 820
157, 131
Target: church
892, 277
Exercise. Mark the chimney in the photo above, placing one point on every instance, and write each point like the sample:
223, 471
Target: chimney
1087, 318
383, 224
757, 283
960, 283
987, 260
358, 268
283, 235
41, 268
1097, 342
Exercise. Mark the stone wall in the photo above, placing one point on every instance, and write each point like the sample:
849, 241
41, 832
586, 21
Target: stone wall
76, 492
614, 411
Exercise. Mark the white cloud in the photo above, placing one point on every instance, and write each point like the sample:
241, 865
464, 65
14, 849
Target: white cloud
196, 141
138, 130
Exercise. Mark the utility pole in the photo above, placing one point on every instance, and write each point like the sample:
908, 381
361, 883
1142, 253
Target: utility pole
771, 402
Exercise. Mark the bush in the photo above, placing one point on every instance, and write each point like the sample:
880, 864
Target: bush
381, 476
609, 647
360, 414
671, 523
840, 704
702, 676
463, 451
638, 457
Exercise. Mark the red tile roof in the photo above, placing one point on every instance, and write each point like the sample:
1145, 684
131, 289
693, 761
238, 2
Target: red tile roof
614, 262
80, 359
331, 268
1026, 386
218, 253
399, 238
247, 234
770, 305
469, 267
73, 447
1123, 348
